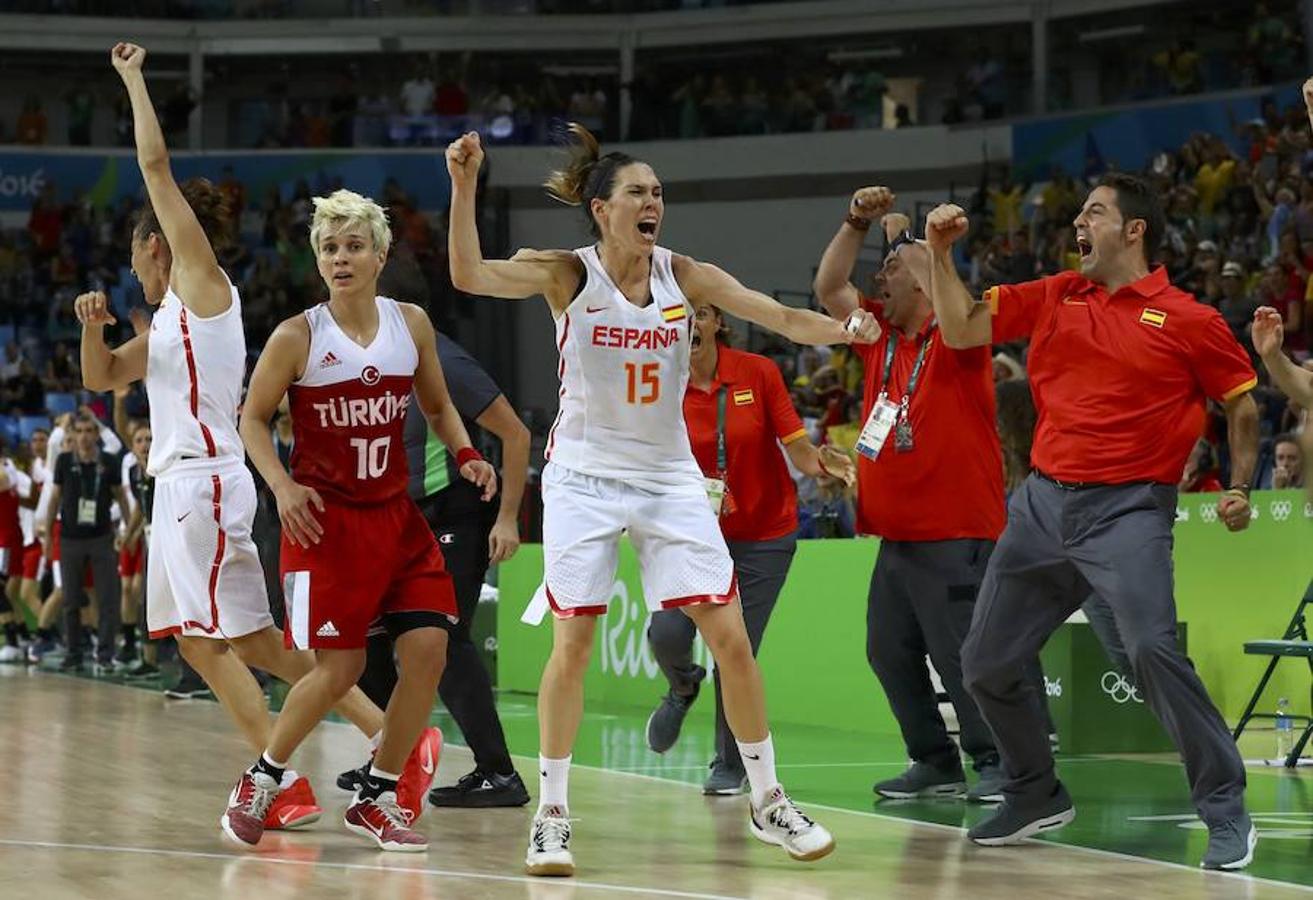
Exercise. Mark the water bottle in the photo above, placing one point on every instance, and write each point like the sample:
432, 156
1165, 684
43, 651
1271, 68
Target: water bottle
1285, 730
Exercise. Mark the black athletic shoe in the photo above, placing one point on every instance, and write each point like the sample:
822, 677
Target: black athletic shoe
354, 779
143, 669
72, 662
668, 718
189, 687
482, 790
1012, 823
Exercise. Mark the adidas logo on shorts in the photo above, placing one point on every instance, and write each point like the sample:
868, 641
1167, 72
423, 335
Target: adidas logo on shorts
328, 629
329, 361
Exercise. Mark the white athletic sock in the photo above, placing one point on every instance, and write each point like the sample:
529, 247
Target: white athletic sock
553, 782
273, 762
376, 740
759, 763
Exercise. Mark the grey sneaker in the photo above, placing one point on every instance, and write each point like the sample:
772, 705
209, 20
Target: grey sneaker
989, 789
1012, 824
1231, 844
666, 720
724, 781
923, 780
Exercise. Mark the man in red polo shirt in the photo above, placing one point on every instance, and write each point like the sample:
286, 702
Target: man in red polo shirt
1121, 364
932, 490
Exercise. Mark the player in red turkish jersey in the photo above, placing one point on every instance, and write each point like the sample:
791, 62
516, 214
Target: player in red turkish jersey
355, 546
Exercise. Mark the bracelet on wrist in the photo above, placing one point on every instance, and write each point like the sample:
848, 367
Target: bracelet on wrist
1239, 489
857, 222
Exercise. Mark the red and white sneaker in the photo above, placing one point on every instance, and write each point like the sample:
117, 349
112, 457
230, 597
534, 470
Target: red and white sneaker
417, 776
248, 805
385, 822
295, 806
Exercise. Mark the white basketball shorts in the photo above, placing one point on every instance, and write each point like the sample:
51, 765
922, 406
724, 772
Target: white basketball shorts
203, 574
681, 553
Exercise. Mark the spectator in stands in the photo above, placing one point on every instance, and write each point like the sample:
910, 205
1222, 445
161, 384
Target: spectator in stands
1287, 469
13, 363
1236, 305
62, 371
417, 95
32, 125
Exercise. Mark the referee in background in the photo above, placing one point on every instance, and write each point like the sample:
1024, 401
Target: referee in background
1121, 364
472, 535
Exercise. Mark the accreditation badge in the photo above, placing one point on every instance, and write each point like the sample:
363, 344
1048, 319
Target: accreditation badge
86, 512
715, 493
883, 418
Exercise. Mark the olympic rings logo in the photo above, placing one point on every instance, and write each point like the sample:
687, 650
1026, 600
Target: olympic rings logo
1280, 509
1208, 512
1118, 687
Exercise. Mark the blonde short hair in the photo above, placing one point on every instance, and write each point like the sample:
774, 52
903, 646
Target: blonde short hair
342, 209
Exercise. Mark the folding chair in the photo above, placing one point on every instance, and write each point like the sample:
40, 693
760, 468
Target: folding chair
1294, 643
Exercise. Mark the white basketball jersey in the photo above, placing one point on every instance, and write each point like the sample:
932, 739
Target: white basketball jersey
623, 370
194, 373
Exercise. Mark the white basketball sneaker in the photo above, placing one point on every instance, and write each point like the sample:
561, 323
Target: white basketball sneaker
549, 844
780, 822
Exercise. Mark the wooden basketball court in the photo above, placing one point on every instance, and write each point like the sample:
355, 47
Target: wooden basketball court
115, 792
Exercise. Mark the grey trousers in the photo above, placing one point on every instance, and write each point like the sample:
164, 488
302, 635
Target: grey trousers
75, 554
1115, 541
762, 567
920, 603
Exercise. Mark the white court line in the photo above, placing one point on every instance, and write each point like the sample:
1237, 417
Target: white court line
415, 870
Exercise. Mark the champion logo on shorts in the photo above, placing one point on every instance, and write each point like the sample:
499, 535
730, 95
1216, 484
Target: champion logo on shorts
328, 629
329, 361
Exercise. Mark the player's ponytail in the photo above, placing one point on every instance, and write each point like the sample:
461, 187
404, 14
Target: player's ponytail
587, 174
208, 203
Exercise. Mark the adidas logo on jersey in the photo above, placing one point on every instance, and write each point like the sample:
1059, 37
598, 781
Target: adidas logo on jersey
329, 361
328, 629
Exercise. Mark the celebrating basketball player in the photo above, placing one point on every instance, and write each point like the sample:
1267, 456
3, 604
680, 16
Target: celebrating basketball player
355, 546
204, 584
620, 459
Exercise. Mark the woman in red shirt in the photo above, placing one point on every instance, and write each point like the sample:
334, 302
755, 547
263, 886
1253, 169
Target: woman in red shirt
738, 413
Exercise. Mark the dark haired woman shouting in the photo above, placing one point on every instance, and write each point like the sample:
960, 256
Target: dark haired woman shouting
619, 458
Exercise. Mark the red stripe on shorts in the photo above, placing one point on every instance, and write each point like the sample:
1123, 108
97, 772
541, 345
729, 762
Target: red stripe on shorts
221, 544
573, 611
195, 384
714, 599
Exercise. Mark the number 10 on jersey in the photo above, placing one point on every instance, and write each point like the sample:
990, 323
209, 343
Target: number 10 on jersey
645, 377
371, 457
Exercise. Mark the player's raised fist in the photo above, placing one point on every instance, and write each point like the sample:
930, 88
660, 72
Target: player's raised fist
464, 156
1268, 331
127, 57
944, 225
92, 308
862, 327
871, 203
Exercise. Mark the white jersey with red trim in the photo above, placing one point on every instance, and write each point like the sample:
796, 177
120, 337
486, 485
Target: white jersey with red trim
194, 373
349, 408
623, 369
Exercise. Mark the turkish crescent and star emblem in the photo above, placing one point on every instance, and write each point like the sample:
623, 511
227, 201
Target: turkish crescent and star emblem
370, 375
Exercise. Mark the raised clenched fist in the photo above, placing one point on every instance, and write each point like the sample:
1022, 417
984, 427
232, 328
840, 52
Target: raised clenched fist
944, 225
127, 57
871, 203
92, 308
464, 156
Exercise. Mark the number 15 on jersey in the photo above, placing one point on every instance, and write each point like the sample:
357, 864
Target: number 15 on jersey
644, 382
